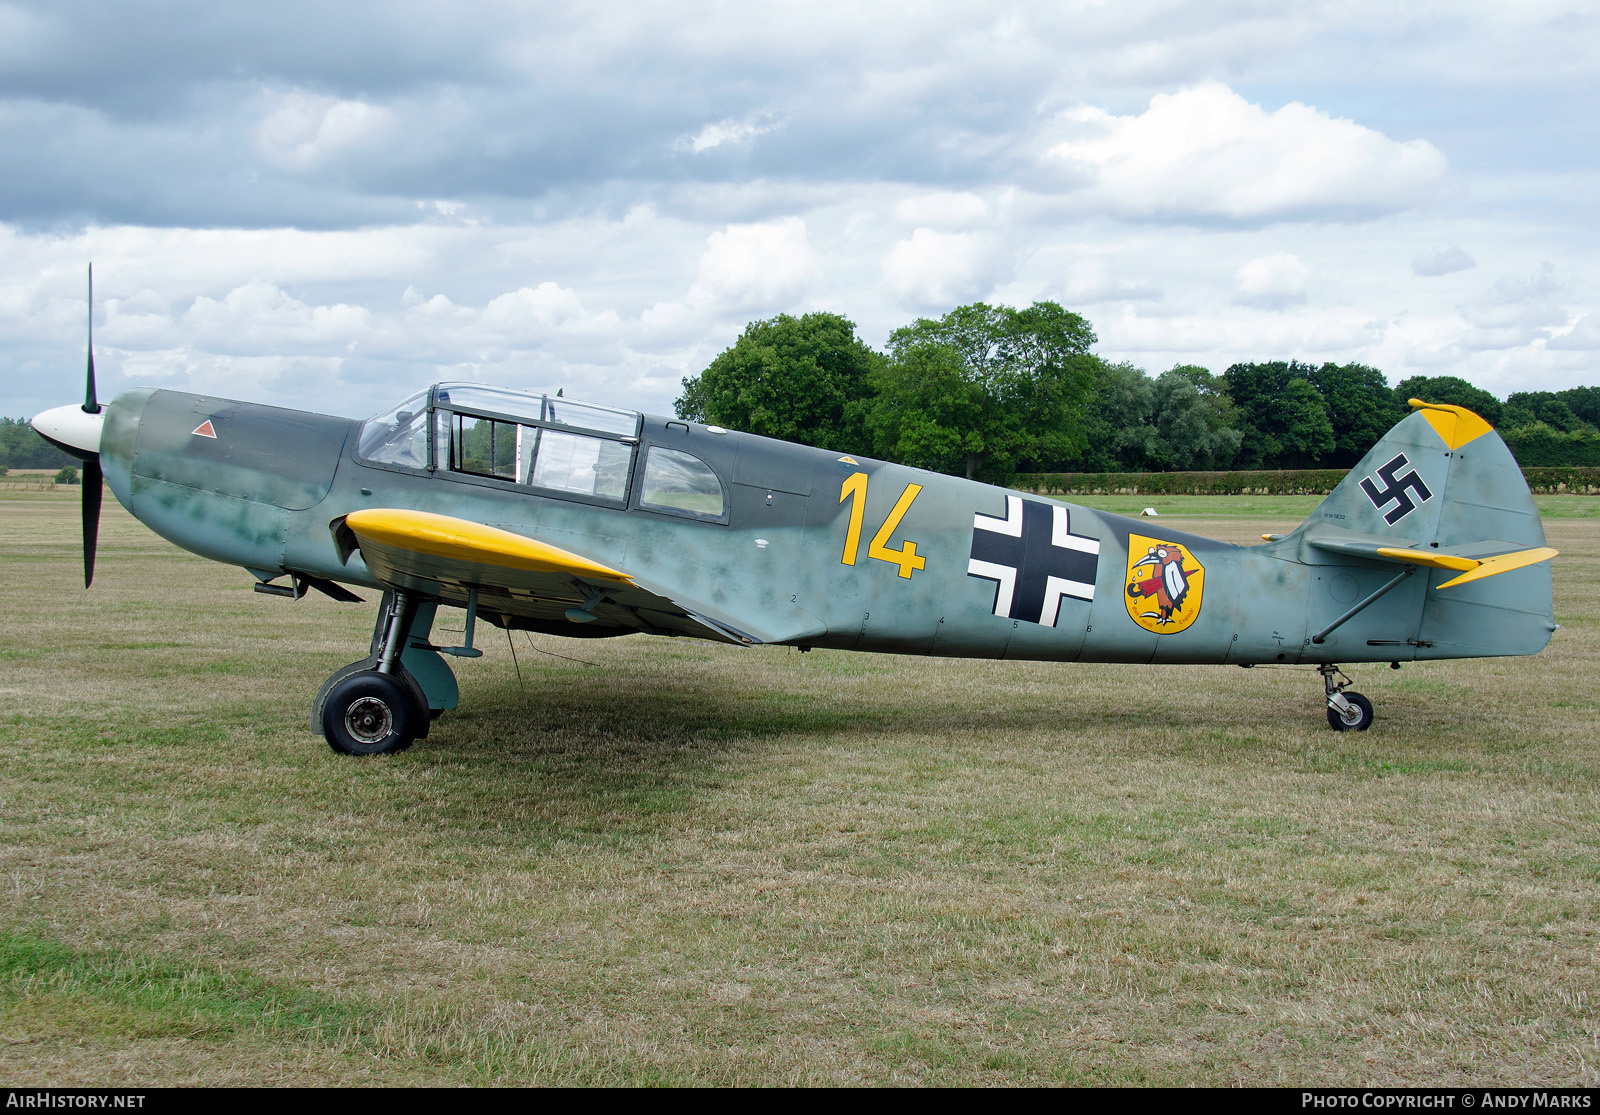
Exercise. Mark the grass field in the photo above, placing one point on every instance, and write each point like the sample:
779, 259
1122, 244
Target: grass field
674, 862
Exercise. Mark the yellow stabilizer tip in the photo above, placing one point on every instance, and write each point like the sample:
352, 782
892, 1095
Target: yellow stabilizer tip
460, 540
1432, 560
1455, 425
1505, 563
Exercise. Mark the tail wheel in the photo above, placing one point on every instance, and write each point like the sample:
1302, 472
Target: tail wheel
369, 713
1358, 719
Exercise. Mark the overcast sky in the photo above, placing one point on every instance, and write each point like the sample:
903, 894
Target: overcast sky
329, 206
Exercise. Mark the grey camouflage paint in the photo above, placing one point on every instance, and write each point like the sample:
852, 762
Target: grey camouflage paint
263, 493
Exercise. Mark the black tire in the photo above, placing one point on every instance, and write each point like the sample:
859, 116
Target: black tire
1361, 705
371, 714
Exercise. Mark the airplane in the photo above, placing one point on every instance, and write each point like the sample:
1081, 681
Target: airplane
535, 512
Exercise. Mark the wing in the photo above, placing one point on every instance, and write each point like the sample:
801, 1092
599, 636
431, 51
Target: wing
517, 577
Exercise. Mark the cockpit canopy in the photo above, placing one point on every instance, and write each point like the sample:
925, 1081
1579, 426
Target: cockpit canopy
547, 442
399, 435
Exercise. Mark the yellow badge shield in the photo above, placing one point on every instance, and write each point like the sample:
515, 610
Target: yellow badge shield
1164, 585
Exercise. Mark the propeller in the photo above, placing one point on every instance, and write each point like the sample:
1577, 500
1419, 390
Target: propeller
92, 480
91, 405
77, 430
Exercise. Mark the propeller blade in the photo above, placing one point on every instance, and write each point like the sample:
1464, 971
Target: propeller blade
91, 404
91, 516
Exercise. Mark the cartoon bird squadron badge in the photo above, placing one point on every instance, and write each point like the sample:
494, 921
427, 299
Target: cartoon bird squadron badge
1165, 583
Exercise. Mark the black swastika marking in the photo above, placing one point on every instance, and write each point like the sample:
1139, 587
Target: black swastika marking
1398, 490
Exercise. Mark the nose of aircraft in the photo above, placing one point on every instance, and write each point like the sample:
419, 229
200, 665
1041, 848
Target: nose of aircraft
71, 428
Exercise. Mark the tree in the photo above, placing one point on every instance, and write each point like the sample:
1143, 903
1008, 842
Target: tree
1361, 408
1195, 420
1119, 435
805, 379
1284, 420
923, 408
1540, 444
1305, 434
1584, 402
1126, 402
22, 447
1524, 408
1452, 390
985, 387
1181, 420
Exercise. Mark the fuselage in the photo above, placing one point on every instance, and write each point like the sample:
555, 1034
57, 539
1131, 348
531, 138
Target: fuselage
807, 547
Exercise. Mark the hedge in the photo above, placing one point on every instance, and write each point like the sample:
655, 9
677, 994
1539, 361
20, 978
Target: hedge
1286, 482
1299, 482
1547, 480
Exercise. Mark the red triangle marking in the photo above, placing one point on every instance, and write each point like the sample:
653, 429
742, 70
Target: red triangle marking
205, 430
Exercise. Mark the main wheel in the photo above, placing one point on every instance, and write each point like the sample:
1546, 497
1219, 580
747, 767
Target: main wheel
1360, 706
370, 714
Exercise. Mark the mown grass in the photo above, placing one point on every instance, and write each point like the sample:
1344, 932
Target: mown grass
687, 863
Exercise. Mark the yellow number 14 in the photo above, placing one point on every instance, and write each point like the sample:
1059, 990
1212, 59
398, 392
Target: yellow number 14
907, 558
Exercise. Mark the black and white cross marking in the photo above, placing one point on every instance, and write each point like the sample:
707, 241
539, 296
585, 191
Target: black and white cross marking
1034, 560
1398, 490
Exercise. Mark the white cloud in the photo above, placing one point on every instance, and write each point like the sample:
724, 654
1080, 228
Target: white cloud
538, 317
760, 267
1093, 280
1273, 282
932, 270
301, 130
1442, 261
725, 133
1584, 336
1207, 153
1516, 311
942, 209
259, 317
547, 304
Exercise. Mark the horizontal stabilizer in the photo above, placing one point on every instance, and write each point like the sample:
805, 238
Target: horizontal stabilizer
1473, 562
1504, 564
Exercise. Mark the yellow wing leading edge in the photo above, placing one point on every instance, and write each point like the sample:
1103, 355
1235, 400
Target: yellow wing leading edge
460, 540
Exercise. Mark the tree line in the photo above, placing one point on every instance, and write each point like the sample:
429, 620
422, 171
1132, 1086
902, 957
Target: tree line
21, 447
988, 391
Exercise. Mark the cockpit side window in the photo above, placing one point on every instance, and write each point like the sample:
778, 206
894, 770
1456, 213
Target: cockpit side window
490, 447
540, 457
589, 466
682, 484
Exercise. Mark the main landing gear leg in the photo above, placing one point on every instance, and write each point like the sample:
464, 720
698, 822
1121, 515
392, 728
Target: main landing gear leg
1347, 712
384, 702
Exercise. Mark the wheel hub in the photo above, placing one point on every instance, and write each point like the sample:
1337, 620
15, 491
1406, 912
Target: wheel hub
369, 720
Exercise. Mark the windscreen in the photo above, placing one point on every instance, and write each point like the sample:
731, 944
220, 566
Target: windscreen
398, 436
